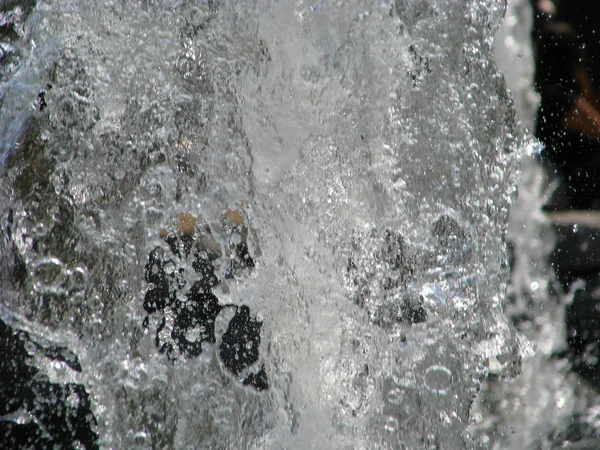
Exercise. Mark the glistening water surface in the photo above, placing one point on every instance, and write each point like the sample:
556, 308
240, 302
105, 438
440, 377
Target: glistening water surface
259, 224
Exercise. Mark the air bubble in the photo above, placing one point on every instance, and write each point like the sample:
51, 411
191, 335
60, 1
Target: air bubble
77, 279
396, 396
40, 230
193, 334
438, 379
49, 275
391, 424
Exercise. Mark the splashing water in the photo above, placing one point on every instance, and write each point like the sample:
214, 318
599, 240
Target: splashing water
261, 224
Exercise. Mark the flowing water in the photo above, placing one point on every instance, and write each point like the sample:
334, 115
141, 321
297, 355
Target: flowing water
259, 224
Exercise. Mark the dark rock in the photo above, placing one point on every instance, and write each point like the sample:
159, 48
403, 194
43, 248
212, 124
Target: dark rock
198, 312
194, 318
239, 346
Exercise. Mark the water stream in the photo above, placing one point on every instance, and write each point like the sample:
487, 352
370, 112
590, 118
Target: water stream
259, 224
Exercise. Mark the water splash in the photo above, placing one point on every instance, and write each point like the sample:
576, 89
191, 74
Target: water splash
367, 152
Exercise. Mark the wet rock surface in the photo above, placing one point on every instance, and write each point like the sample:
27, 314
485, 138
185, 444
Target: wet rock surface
193, 310
34, 411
